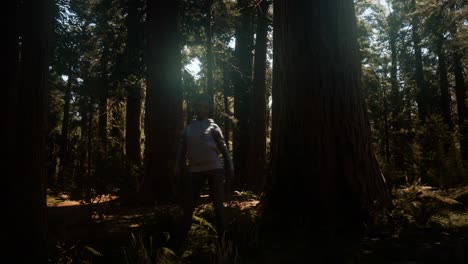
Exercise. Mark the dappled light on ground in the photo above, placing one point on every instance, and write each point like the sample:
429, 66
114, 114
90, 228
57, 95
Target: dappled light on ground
425, 224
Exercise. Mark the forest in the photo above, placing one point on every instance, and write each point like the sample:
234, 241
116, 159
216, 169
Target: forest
269, 131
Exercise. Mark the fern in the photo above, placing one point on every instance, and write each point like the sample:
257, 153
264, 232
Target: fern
203, 222
93, 251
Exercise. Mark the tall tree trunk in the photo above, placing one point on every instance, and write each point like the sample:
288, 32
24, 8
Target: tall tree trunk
396, 102
163, 99
89, 175
257, 152
443, 82
392, 36
134, 97
82, 179
103, 114
227, 110
386, 122
460, 91
242, 84
133, 131
209, 55
12, 70
422, 89
322, 153
26, 154
64, 135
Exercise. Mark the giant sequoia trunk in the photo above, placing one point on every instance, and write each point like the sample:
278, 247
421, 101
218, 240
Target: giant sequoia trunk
163, 101
26, 177
242, 83
257, 152
325, 177
421, 87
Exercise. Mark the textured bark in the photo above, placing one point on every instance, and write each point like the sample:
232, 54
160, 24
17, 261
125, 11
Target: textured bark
257, 152
460, 90
242, 84
134, 104
209, 55
227, 111
163, 99
133, 131
325, 177
89, 174
64, 134
443, 82
82, 179
103, 111
396, 100
26, 154
421, 86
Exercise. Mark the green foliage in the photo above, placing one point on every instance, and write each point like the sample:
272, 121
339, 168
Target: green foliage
440, 160
407, 148
226, 252
142, 250
420, 206
64, 253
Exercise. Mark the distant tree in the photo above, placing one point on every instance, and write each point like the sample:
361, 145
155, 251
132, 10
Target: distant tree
421, 85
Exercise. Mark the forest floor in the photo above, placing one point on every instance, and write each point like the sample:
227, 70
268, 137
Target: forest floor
427, 225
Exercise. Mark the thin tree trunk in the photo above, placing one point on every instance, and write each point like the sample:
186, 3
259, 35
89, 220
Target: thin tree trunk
209, 55
322, 153
422, 89
443, 82
64, 135
393, 34
82, 179
257, 152
460, 90
134, 101
103, 116
242, 84
26, 177
386, 124
90, 179
163, 100
133, 132
227, 111
396, 102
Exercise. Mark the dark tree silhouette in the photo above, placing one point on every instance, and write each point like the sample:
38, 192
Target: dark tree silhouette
26, 119
163, 99
325, 177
